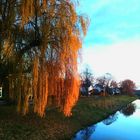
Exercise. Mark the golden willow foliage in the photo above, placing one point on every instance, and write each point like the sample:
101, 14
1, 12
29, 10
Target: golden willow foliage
50, 35
7, 50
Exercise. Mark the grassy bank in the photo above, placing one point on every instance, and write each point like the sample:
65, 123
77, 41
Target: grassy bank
55, 126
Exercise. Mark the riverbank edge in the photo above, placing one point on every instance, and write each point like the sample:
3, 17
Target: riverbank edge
106, 114
55, 126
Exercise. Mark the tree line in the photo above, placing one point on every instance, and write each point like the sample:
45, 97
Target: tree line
106, 83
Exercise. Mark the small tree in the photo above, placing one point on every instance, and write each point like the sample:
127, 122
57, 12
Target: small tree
105, 81
113, 84
86, 79
128, 86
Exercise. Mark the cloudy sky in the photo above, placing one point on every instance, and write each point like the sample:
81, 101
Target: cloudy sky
112, 43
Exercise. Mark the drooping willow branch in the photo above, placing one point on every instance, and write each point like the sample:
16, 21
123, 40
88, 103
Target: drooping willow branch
49, 37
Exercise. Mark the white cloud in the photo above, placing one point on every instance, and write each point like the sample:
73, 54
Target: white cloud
121, 59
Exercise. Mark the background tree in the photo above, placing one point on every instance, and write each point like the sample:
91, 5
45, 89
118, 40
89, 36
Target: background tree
105, 81
128, 86
86, 80
39, 47
113, 84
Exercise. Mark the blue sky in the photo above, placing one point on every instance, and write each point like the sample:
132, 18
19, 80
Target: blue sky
112, 43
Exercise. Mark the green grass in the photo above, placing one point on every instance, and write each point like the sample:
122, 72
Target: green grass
55, 126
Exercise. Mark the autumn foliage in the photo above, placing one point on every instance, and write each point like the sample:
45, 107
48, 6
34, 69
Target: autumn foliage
128, 86
39, 45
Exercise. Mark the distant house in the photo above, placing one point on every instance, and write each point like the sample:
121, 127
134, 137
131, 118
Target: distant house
85, 87
113, 91
83, 90
97, 89
117, 90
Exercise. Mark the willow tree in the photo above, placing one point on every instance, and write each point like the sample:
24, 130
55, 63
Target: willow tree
43, 42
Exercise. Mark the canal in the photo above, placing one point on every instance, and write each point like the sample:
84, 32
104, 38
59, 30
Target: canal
123, 125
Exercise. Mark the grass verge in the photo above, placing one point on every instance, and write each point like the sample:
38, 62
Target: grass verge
55, 126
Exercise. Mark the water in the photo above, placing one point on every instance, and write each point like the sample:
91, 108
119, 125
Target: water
123, 125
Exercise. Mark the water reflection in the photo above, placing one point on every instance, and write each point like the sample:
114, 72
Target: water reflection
128, 110
110, 119
85, 133
116, 126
